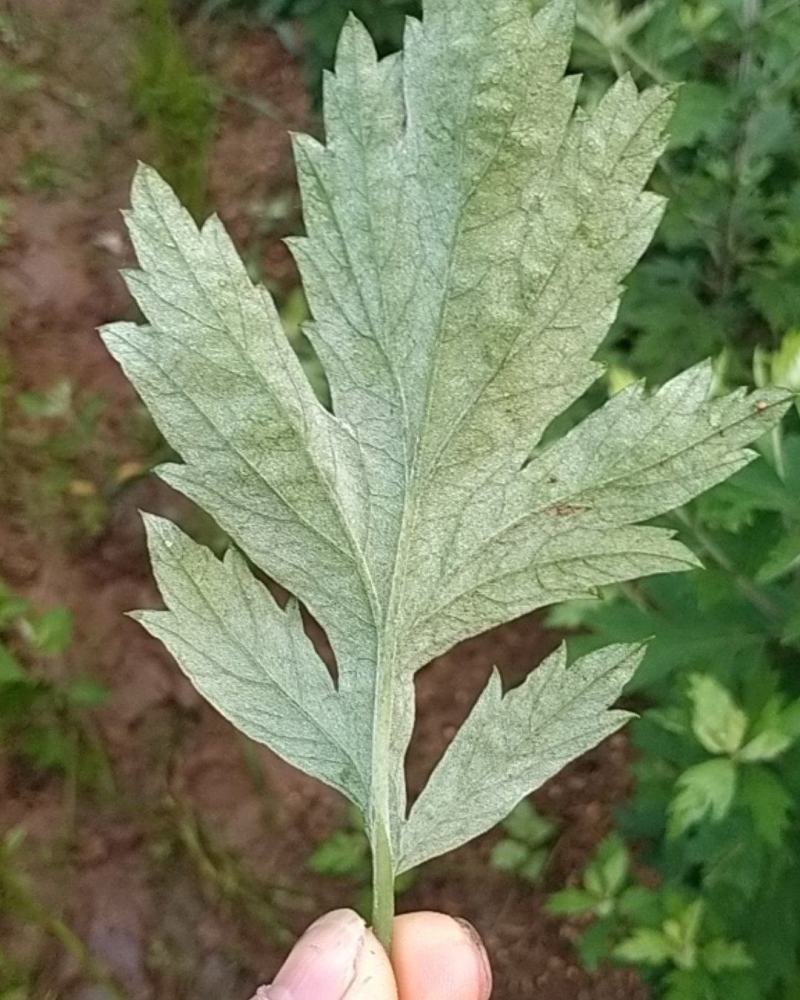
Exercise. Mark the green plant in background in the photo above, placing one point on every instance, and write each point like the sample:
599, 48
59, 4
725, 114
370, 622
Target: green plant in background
666, 933
175, 100
524, 849
603, 890
716, 810
54, 459
43, 173
44, 718
321, 22
20, 902
345, 854
710, 787
295, 317
223, 877
462, 266
680, 946
724, 269
16, 80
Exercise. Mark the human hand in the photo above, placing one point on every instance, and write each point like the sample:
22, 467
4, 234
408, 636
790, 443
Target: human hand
434, 957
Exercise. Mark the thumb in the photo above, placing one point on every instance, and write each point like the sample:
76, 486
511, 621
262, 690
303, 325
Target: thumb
338, 958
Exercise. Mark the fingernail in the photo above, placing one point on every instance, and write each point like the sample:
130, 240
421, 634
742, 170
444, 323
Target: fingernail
484, 968
322, 964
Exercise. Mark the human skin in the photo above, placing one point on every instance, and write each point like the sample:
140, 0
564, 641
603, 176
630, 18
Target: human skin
433, 957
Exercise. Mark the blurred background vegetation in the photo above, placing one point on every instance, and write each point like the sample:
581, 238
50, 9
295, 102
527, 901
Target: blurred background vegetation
697, 887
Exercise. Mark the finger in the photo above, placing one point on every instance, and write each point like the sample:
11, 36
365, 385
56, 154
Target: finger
438, 958
337, 958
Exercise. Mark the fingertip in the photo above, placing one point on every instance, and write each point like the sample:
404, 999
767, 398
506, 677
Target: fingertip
338, 958
436, 957
374, 978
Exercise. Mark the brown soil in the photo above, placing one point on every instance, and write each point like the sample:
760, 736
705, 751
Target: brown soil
187, 879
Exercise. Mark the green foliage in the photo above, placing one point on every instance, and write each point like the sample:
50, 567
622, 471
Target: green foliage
602, 889
724, 269
42, 172
43, 719
176, 102
459, 291
524, 850
666, 933
321, 22
716, 810
55, 465
16, 80
345, 854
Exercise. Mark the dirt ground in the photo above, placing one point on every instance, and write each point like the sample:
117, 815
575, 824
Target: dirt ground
186, 877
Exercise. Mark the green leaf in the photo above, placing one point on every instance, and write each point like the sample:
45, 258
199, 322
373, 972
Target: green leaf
786, 361
781, 559
518, 858
50, 632
12, 607
717, 721
596, 943
508, 855
767, 745
532, 870
682, 930
773, 732
720, 955
250, 657
640, 905
468, 231
702, 112
608, 870
553, 717
52, 403
525, 824
704, 789
769, 803
345, 852
86, 692
689, 984
11, 670
569, 902
645, 946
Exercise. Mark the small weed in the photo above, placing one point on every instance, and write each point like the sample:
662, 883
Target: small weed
17, 80
604, 880
525, 849
344, 854
175, 101
42, 173
653, 929
57, 467
42, 720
